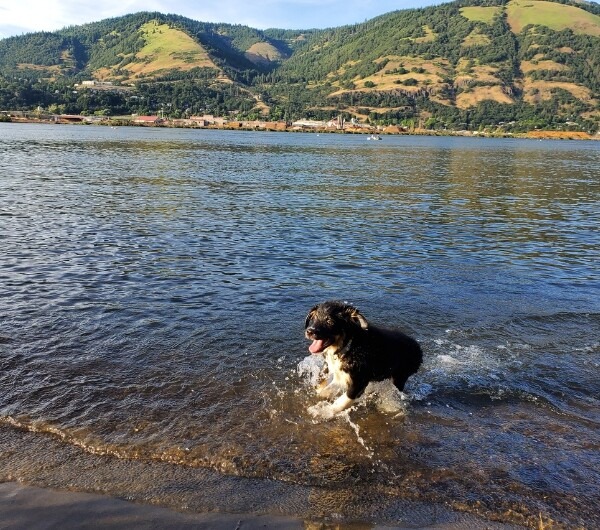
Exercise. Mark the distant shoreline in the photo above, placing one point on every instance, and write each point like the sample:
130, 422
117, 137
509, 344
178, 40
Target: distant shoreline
271, 127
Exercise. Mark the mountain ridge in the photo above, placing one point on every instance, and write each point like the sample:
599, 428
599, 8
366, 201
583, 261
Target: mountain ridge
463, 64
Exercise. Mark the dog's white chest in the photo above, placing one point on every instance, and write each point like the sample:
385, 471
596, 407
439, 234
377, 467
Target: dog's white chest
334, 364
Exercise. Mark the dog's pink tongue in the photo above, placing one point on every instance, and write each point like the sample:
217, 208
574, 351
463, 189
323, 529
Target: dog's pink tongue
316, 346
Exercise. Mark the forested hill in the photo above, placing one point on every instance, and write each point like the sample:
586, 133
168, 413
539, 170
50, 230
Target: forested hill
468, 64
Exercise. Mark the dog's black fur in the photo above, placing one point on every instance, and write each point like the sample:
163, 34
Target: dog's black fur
358, 353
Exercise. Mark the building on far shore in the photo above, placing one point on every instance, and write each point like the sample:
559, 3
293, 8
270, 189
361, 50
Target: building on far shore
308, 124
69, 118
208, 120
148, 120
93, 82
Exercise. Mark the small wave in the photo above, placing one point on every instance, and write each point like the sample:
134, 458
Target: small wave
79, 438
448, 358
480, 365
454, 370
231, 461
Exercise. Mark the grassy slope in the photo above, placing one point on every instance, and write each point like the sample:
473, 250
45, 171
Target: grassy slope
480, 14
165, 49
263, 53
555, 16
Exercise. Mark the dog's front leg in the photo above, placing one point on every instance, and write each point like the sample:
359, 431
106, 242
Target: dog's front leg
326, 411
347, 399
341, 403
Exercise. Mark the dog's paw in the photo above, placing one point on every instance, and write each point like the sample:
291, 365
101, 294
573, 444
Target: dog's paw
321, 411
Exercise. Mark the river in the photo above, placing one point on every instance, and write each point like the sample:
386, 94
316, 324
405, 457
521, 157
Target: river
153, 289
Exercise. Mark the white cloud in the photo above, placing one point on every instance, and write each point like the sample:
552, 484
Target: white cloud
51, 15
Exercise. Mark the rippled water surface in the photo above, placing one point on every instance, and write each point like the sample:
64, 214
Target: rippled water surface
153, 289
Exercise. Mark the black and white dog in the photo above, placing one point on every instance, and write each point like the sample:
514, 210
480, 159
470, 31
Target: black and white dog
356, 353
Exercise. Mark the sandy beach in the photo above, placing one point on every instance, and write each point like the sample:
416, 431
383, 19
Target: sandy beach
41, 508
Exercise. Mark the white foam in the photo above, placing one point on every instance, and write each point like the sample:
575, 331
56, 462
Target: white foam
449, 363
447, 359
456, 357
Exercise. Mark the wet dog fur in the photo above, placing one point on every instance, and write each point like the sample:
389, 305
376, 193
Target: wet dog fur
356, 353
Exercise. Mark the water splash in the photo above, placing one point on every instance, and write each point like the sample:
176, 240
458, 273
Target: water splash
309, 369
356, 429
386, 397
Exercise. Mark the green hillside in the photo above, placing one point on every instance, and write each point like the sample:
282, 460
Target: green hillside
121, 43
515, 64
558, 17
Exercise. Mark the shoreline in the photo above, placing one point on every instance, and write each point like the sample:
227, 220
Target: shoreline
530, 135
31, 507
46, 483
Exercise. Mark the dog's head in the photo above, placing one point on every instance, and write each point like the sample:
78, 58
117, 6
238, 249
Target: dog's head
332, 324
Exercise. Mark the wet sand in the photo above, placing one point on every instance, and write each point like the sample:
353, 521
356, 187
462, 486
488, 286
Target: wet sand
34, 508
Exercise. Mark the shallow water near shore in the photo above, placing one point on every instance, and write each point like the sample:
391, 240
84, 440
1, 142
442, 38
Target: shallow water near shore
153, 289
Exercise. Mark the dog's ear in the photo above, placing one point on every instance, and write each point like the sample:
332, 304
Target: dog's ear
357, 318
310, 315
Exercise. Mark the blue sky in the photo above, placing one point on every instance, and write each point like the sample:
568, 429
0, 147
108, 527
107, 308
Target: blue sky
23, 16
